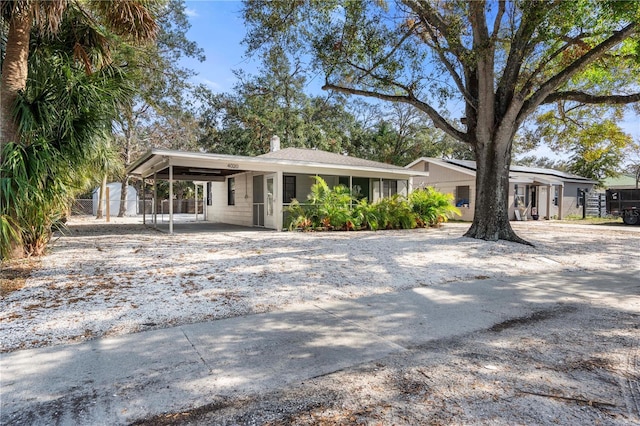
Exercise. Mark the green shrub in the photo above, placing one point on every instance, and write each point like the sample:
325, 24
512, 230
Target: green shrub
336, 208
300, 216
395, 212
366, 215
432, 206
328, 208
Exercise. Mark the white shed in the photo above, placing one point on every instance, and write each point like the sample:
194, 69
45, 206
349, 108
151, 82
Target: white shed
114, 197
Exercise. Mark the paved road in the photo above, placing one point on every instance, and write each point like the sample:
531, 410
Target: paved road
121, 379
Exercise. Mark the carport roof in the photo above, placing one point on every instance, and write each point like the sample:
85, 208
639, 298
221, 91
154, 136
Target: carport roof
198, 166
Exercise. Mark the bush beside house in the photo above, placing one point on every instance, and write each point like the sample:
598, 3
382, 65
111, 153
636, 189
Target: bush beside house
338, 208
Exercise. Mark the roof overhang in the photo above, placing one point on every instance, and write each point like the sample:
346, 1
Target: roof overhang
193, 166
441, 163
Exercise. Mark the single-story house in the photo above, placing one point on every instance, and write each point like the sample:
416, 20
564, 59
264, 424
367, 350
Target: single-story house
255, 191
533, 192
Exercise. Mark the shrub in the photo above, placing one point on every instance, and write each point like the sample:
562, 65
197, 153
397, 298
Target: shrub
329, 208
334, 208
366, 215
432, 206
395, 212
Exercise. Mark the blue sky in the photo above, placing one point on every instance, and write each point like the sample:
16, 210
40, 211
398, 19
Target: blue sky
218, 28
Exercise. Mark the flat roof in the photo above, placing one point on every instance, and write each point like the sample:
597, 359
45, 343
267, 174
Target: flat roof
199, 166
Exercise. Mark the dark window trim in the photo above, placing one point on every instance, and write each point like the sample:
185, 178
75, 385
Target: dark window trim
231, 191
461, 200
286, 194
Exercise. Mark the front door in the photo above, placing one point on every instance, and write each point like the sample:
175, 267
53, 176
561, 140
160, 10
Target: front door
269, 201
258, 200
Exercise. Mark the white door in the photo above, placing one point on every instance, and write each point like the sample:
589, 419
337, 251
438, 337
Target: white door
269, 201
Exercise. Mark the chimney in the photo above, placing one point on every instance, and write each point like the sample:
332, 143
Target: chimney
274, 145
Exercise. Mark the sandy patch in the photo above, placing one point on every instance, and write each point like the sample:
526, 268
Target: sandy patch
108, 279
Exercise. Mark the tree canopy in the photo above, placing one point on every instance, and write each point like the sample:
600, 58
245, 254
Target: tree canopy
495, 62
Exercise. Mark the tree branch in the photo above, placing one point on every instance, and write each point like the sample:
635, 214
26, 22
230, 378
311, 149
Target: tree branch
443, 58
496, 24
431, 16
522, 45
437, 119
587, 98
547, 88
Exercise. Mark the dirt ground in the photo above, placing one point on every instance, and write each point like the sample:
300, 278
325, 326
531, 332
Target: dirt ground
574, 364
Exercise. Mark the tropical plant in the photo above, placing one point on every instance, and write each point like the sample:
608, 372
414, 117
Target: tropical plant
86, 24
336, 208
395, 212
63, 117
333, 205
432, 206
299, 216
366, 215
53, 121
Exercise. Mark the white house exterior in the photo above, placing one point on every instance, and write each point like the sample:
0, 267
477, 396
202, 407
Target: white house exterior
533, 192
255, 191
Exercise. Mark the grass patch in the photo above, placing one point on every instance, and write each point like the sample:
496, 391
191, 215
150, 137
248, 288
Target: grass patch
593, 220
15, 273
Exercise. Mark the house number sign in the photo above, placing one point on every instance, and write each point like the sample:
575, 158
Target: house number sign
233, 166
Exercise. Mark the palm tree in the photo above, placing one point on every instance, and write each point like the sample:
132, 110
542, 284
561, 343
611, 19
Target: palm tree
60, 119
127, 18
64, 116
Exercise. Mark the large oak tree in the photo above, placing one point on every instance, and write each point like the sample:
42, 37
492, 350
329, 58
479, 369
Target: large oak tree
497, 62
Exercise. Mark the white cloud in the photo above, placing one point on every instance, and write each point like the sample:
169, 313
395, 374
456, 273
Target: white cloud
192, 13
212, 84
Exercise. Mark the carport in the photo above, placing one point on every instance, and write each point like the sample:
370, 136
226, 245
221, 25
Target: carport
175, 166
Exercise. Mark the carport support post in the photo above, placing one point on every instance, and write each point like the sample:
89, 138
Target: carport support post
144, 204
154, 210
171, 199
351, 191
560, 199
549, 188
196, 199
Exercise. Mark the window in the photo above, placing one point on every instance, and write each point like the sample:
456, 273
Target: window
518, 196
231, 191
389, 188
462, 196
582, 195
361, 188
555, 195
289, 189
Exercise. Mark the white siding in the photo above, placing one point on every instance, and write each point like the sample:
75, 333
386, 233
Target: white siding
241, 212
446, 180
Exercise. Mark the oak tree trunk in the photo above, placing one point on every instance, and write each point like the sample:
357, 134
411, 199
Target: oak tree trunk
491, 211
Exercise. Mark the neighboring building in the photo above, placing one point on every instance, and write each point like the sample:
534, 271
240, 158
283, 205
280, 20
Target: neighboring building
254, 191
131, 203
624, 181
533, 192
